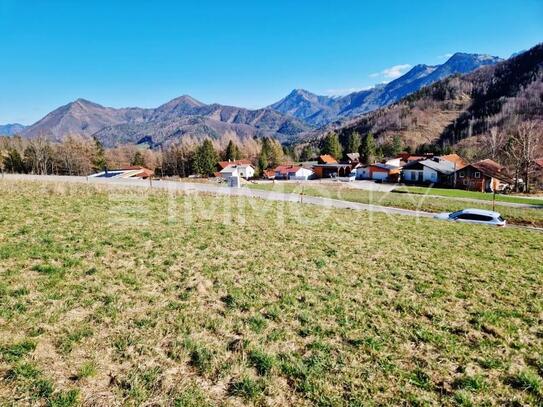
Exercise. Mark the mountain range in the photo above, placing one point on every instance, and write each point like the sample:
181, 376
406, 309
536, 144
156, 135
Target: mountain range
11, 129
183, 116
320, 110
458, 110
288, 120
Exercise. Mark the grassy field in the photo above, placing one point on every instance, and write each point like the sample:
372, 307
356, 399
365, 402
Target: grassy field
112, 297
458, 193
519, 216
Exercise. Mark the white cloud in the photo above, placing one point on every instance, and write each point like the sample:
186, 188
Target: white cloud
392, 73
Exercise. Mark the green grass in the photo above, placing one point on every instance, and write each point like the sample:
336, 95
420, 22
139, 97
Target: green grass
458, 193
519, 216
112, 297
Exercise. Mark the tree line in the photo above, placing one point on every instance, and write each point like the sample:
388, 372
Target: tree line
369, 150
78, 155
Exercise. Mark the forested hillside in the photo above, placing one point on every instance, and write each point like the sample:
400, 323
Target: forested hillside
461, 111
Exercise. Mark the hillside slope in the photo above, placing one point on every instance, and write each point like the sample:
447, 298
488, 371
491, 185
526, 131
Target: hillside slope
459, 108
181, 116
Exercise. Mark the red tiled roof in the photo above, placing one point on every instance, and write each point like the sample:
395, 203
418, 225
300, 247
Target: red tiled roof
287, 169
327, 159
144, 171
224, 164
488, 165
492, 169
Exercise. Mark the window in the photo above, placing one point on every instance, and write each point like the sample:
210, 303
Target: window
465, 182
472, 216
455, 214
461, 174
477, 174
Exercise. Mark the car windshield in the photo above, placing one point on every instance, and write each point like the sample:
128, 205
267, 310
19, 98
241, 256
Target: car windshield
455, 214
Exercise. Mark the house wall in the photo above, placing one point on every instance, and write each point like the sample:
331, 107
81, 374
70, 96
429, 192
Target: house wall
227, 175
430, 175
247, 173
302, 174
412, 175
466, 178
379, 175
363, 173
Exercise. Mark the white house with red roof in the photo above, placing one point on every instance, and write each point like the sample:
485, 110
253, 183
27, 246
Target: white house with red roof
293, 172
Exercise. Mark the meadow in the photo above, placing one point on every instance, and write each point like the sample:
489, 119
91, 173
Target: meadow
135, 297
483, 196
416, 198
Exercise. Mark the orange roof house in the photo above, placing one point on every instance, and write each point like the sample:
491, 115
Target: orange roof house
456, 159
327, 159
484, 175
133, 171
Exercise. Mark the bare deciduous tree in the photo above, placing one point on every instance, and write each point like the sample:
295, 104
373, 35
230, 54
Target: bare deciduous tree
522, 148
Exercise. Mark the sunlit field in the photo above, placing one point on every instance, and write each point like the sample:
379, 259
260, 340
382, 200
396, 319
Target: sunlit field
423, 199
119, 296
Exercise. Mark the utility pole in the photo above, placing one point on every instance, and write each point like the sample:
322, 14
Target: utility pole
494, 200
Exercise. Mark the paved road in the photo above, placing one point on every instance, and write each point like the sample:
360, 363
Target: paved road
223, 190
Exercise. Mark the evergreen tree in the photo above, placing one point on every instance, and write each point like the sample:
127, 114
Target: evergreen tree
205, 159
13, 162
262, 162
307, 153
232, 152
99, 159
397, 145
273, 150
330, 145
368, 153
353, 143
138, 160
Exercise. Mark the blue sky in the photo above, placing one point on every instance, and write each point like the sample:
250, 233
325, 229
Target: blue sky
243, 53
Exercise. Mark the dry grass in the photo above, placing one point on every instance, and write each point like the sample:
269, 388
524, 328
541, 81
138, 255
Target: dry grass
120, 297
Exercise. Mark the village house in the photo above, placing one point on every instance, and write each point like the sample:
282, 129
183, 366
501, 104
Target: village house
483, 176
329, 167
429, 171
133, 172
293, 172
326, 159
352, 158
221, 165
332, 170
388, 171
268, 174
238, 170
406, 158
